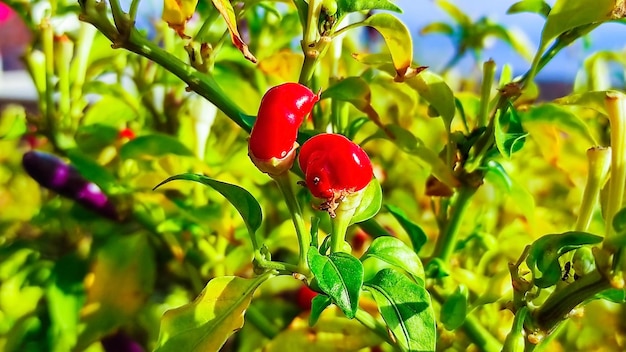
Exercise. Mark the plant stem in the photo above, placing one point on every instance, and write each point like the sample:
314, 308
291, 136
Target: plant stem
261, 323
489, 72
446, 242
78, 69
598, 159
304, 237
310, 42
561, 302
379, 329
616, 109
47, 39
199, 82
480, 336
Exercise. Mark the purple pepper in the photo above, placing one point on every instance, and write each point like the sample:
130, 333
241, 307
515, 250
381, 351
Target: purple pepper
120, 342
54, 174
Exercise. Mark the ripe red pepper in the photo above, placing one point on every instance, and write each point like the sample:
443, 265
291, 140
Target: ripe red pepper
334, 167
272, 142
304, 296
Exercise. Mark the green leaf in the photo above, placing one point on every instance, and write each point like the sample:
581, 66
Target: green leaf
406, 308
356, 91
499, 177
398, 40
121, 280
91, 170
544, 254
318, 304
509, 133
436, 92
340, 276
539, 7
241, 199
110, 111
347, 6
370, 204
153, 145
12, 122
65, 296
410, 144
456, 13
556, 115
393, 251
567, 14
206, 323
95, 137
590, 100
415, 232
615, 295
454, 309
437, 27
619, 221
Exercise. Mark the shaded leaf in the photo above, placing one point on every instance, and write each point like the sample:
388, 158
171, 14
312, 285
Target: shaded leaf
393, 251
544, 254
153, 145
117, 286
406, 308
206, 323
509, 133
454, 309
340, 276
331, 333
415, 232
318, 304
226, 10
240, 198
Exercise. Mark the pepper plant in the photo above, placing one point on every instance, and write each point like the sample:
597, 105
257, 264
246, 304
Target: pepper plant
341, 199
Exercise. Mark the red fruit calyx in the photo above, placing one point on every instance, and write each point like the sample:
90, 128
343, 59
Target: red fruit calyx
334, 167
272, 141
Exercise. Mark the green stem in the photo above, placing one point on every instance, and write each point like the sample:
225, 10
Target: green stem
63, 49
446, 242
78, 69
616, 109
343, 216
379, 329
480, 336
47, 38
310, 45
562, 301
261, 323
304, 237
489, 72
199, 82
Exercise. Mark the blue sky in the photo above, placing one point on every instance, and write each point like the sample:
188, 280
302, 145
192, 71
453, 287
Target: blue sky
435, 50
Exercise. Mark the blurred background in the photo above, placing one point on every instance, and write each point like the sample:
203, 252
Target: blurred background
433, 49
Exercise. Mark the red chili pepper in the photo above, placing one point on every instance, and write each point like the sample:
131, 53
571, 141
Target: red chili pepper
126, 133
304, 296
334, 167
272, 142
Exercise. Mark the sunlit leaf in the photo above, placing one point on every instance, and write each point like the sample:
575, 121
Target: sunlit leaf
12, 122
436, 92
437, 27
406, 308
457, 14
370, 203
177, 12
226, 10
356, 91
410, 144
340, 276
398, 40
347, 6
591, 100
240, 198
559, 116
539, 7
393, 251
206, 323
